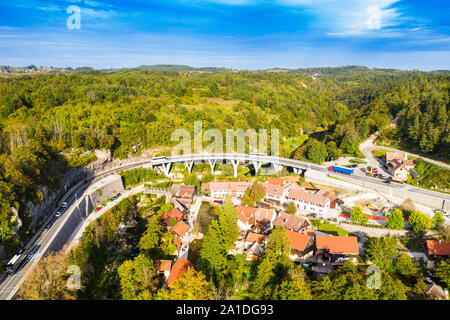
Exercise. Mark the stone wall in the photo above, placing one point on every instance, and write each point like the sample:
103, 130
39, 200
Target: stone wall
95, 194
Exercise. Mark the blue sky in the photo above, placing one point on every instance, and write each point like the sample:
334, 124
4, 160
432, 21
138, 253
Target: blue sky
239, 34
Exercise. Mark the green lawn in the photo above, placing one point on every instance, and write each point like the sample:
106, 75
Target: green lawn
431, 176
293, 143
379, 153
329, 228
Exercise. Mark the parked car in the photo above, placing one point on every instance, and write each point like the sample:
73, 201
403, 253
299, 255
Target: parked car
58, 214
98, 208
64, 204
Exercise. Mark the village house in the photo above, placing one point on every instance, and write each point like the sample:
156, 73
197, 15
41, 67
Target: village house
399, 166
255, 251
220, 189
259, 220
170, 218
279, 193
255, 237
163, 267
184, 193
302, 245
337, 248
291, 222
178, 269
438, 249
308, 202
180, 229
275, 194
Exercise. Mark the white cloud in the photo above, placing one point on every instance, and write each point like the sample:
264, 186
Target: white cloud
351, 17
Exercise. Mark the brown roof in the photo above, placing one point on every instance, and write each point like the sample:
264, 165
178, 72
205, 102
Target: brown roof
238, 186
180, 228
338, 244
275, 181
254, 251
255, 237
252, 215
399, 164
290, 221
174, 213
301, 195
274, 189
179, 268
394, 155
163, 265
297, 240
436, 292
186, 191
439, 248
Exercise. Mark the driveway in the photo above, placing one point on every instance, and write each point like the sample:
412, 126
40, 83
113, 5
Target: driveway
368, 146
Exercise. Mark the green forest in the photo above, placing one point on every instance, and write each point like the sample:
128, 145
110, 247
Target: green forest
50, 123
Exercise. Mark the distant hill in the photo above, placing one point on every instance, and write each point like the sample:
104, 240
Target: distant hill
181, 68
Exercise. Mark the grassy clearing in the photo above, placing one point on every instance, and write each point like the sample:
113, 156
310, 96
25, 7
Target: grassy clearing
293, 143
431, 176
329, 228
379, 153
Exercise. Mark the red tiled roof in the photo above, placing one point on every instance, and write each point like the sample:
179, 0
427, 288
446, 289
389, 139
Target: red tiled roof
275, 181
178, 269
273, 189
252, 215
290, 221
163, 265
297, 240
255, 237
174, 213
301, 195
338, 244
440, 248
394, 155
180, 228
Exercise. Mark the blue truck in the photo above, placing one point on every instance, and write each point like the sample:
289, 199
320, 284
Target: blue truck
341, 170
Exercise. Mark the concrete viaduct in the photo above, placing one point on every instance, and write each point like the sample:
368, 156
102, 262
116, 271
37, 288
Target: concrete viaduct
257, 160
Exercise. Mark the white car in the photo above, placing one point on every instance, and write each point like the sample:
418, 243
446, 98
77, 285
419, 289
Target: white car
64, 204
58, 214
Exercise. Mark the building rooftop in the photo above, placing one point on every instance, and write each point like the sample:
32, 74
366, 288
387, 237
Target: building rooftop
438, 247
275, 181
179, 268
297, 240
253, 215
290, 221
338, 244
174, 213
298, 194
255, 237
180, 228
163, 265
395, 155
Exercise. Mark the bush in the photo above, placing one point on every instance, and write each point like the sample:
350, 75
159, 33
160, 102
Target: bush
137, 176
